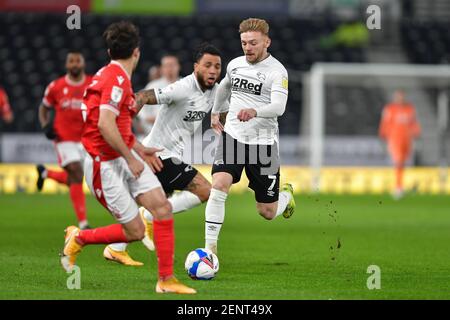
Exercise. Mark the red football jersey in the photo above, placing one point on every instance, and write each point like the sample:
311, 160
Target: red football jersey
66, 96
5, 108
399, 123
110, 89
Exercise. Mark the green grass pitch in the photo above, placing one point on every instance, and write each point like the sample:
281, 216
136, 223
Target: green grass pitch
322, 252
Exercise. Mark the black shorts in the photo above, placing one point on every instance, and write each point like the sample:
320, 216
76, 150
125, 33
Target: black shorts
175, 175
261, 164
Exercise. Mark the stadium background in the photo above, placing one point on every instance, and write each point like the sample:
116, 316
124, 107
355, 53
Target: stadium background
34, 40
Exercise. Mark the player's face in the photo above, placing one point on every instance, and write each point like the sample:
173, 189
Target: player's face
154, 73
254, 44
170, 68
75, 64
207, 70
399, 97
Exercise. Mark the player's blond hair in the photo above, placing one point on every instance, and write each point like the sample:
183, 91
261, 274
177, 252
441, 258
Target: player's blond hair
254, 24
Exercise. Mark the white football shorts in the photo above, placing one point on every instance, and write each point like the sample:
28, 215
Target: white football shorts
115, 187
69, 151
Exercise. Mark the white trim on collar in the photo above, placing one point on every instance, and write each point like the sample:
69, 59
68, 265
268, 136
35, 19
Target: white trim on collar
196, 82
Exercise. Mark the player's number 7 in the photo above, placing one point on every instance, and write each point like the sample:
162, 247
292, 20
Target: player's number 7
274, 179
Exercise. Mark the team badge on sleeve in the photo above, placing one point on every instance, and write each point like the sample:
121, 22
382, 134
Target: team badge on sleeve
116, 95
284, 83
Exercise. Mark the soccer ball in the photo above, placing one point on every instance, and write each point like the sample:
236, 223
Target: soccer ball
201, 264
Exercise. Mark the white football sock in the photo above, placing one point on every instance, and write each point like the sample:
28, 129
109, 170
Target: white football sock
180, 201
121, 246
214, 216
183, 200
83, 224
283, 199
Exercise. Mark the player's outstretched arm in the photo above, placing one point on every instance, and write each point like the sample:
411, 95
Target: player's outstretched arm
45, 119
149, 156
44, 115
383, 129
145, 97
416, 129
275, 108
278, 100
220, 102
108, 128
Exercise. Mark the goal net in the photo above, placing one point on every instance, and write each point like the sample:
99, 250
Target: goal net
344, 103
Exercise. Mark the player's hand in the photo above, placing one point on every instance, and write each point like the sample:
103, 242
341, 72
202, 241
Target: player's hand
246, 114
49, 131
150, 157
215, 123
136, 167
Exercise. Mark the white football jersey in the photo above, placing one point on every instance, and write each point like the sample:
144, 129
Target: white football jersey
183, 107
151, 110
251, 86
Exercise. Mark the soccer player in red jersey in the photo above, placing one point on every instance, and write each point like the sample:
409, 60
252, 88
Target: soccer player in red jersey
118, 168
61, 119
5, 109
399, 127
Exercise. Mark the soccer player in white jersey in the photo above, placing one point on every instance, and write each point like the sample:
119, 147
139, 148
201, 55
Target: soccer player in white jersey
170, 72
184, 105
257, 86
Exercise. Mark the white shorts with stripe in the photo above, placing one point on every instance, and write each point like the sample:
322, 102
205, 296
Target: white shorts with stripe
69, 151
115, 187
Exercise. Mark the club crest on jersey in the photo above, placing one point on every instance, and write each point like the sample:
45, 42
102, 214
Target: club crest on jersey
261, 76
246, 86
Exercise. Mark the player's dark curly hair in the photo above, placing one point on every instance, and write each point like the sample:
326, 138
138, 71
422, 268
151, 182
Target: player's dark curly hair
121, 39
205, 48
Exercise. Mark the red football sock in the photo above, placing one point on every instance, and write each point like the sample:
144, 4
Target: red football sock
399, 177
164, 238
104, 235
78, 200
59, 176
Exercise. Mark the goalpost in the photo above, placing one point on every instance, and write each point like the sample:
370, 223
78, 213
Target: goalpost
391, 75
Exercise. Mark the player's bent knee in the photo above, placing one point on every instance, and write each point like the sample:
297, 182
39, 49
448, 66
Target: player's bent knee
162, 211
222, 183
75, 172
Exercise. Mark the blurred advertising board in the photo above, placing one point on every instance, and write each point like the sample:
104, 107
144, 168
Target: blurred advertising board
334, 180
43, 5
26, 148
251, 7
153, 7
